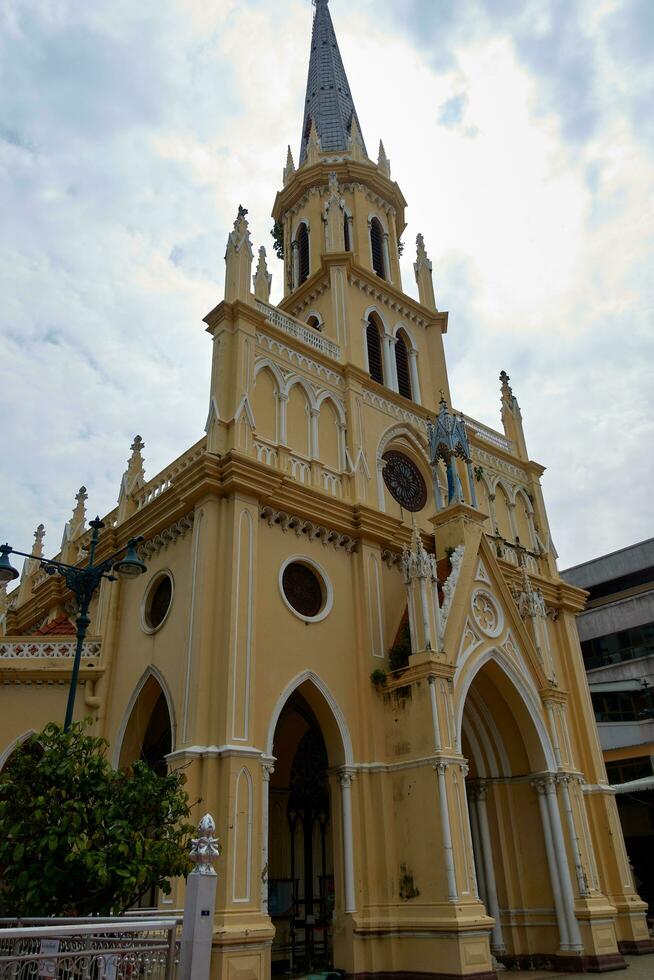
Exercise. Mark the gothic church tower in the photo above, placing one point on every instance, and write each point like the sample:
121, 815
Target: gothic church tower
352, 633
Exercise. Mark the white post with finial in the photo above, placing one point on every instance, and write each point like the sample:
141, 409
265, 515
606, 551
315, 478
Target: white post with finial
199, 905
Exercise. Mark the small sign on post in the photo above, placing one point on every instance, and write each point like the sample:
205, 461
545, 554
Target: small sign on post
48, 968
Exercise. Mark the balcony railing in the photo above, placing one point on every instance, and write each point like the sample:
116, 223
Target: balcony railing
47, 648
295, 328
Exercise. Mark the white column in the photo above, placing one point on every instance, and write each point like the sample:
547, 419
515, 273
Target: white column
387, 259
282, 401
564, 939
562, 862
295, 264
512, 520
476, 847
345, 779
415, 379
342, 457
424, 605
549, 708
467, 829
434, 714
497, 941
314, 449
267, 769
390, 367
452, 893
572, 834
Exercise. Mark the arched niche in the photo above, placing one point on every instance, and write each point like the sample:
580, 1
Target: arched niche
147, 733
265, 404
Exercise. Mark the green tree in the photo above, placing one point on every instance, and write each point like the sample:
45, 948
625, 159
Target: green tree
78, 837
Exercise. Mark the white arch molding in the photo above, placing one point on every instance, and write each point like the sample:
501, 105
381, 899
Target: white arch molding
6, 754
528, 694
150, 671
339, 717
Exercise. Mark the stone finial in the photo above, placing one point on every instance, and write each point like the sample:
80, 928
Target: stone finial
422, 268
39, 535
289, 169
314, 146
512, 417
133, 480
355, 145
78, 520
238, 259
205, 848
506, 387
262, 279
383, 162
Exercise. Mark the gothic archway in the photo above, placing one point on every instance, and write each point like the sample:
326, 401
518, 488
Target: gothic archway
147, 730
515, 822
308, 861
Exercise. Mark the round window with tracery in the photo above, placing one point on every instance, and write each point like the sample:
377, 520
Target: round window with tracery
404, 481
305, 589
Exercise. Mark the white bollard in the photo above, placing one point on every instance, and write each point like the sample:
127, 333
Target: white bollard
200, 905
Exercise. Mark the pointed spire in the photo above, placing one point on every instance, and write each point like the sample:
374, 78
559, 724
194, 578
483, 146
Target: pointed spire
512, 417
238, 260
262, 279
74, 528
328, 100
314, 147
383, 162
132, 481
355, 145
423, 270
289, 169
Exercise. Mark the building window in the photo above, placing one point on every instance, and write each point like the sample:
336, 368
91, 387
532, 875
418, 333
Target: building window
402, 363
314, 321
404, 481
622, 705
346, 232
628, 644
157, 602
373, 340
305, 589
377, 247
624, 770
303, 254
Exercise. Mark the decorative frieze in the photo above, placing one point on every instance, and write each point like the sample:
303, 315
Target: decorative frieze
298, 358
314, 532
390, 301
166, 537
372, 398
480, 455
31, 648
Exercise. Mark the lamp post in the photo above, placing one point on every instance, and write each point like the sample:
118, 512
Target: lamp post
83, 583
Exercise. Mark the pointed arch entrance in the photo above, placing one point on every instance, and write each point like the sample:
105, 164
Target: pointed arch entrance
515, 818
147, 732
308, 847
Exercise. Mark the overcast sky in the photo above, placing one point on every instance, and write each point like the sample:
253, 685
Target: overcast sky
521, 133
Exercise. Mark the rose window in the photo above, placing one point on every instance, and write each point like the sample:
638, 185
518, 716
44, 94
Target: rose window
487, 613
404, 481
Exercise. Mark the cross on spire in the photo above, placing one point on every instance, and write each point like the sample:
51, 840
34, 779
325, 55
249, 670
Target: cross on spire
328, 100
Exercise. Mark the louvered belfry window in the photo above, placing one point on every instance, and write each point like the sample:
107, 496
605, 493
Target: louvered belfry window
377, 246
375, 365
346, 232
303, 256
402, 363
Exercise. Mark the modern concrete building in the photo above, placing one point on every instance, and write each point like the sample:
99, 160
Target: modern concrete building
616, 631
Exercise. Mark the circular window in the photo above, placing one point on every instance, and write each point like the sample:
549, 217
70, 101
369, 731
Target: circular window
157, 602
404, 481
305, 589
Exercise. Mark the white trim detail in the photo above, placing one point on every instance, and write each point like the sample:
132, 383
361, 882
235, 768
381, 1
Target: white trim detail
339, 717
150, 671
248, 855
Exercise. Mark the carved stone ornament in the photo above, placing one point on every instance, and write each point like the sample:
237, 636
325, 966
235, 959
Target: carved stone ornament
404, 481
205, 848
487, 613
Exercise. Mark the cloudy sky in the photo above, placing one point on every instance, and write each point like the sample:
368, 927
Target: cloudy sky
522, 135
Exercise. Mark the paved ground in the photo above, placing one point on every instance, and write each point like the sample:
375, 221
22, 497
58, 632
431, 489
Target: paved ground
638, 968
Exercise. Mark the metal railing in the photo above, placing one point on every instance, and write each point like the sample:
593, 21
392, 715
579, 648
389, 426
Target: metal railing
103, 949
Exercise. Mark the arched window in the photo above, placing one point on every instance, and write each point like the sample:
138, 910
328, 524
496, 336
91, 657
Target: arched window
373, 340
303, 254
402, 364
314, 321
346, 232
377, 247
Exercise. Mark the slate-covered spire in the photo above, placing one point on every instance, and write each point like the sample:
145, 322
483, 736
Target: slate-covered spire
328, 99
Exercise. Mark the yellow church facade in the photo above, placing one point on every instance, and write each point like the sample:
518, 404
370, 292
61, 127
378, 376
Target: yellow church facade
352, 632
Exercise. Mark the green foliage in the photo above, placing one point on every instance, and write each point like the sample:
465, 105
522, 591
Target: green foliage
378, 678
277, 232
399, 653
78, 837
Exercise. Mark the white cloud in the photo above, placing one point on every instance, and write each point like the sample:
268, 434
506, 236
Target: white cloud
129, 134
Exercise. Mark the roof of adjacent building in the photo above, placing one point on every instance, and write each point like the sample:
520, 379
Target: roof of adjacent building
617, 564
61, 626
328, 98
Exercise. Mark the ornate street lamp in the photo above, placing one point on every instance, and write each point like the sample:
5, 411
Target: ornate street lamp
83, 583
